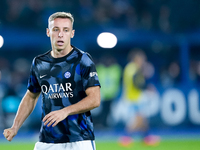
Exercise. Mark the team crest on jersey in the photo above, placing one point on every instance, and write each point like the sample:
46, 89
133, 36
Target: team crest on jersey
67, 75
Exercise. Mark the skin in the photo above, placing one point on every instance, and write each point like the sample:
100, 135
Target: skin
60, 32
25, 108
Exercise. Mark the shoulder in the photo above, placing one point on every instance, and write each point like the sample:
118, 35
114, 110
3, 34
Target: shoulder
85, 57
131, 65
130, 68
39, 58
44, 56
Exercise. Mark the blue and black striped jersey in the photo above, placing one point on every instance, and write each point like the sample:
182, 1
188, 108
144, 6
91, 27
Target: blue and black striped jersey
62, 82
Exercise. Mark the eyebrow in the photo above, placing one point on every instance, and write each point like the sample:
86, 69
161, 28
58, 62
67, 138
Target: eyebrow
63, 27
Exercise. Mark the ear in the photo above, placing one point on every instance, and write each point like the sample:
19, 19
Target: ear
47, 32
72, 34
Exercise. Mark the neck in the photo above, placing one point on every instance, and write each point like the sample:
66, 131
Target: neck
61, 53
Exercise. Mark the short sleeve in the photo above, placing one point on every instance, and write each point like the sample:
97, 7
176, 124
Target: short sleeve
88, 72
33, 84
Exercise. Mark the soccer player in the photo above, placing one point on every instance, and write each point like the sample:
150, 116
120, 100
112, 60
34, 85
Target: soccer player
67, 79
135, 98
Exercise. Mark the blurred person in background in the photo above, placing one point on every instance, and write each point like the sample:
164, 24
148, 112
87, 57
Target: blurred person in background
5, 75
1, 95
136, 92
170, 76
67, 79
16, 86
109, 73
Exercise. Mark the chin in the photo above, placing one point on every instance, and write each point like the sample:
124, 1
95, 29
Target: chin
59, 49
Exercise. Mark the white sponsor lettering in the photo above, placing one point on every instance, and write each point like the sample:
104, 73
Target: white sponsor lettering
51, 88
44, 89
55, 91
60, 95
61, 88
56, 88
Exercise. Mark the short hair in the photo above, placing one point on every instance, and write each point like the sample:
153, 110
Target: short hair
61, 15
136, 52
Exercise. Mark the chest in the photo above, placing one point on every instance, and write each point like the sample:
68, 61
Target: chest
58, 75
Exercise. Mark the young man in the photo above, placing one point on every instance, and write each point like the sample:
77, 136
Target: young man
67, 79
135, 98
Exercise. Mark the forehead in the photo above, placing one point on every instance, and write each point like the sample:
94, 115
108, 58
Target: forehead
61, 23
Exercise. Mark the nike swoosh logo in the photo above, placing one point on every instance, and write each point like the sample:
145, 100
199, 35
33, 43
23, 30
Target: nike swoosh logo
43, 76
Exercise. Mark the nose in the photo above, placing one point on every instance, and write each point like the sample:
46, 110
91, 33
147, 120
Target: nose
60, 34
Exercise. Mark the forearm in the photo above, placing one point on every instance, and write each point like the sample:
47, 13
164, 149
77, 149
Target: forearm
91, 101
23, 112
84, 105
25, 108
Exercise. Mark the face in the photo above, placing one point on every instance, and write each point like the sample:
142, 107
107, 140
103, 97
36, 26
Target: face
140, 60
60, 33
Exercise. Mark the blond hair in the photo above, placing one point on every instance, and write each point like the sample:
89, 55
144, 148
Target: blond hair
61, 15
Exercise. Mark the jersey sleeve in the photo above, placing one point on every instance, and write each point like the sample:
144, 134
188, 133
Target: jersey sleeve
33, 84
88, 72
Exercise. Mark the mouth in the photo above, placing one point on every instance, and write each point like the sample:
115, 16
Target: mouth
60, 42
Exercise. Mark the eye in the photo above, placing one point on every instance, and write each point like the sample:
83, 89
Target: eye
66, 30
55, 29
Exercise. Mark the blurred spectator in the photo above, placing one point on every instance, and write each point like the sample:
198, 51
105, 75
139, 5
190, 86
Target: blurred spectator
138, 14
195, 72
198, 72
5, 68
15, 9
86, 10
146, 21
192, 72
33, 10
163, 21
12, 84
102, 12
174, 71
131, 18
9, 106
20, 76
170, 76
136, 94
109, 73
2, 92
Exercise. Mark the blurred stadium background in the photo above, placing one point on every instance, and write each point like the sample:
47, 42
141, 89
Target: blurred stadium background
168, 31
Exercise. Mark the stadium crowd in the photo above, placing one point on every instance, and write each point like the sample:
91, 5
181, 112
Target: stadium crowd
167, 16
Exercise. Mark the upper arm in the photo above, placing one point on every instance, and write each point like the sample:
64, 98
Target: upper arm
94, 93
33, 84
32, 96
88, 72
